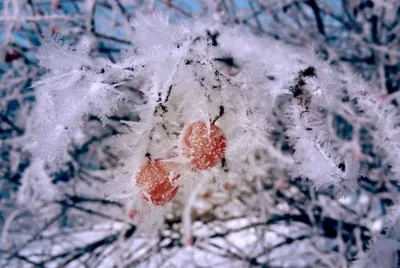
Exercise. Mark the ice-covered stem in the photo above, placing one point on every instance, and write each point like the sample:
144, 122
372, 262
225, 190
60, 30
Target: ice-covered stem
36, 186
316, 156
187, 211
4, 237
80, 86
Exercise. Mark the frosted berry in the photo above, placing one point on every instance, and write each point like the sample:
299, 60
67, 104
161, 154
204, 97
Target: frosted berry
204, 147
154, 180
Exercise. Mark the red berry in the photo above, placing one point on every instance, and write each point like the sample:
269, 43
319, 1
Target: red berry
154, 180
204, 147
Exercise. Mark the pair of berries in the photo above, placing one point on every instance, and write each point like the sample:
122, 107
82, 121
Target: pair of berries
204, 146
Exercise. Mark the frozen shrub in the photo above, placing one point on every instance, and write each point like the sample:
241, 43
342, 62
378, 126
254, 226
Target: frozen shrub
247, 87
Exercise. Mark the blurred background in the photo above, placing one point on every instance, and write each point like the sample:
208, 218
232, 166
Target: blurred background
272, 221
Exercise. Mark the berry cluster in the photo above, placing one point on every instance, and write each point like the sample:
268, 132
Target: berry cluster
204, 146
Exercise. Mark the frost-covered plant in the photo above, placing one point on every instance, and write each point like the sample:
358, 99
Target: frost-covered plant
247, 94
